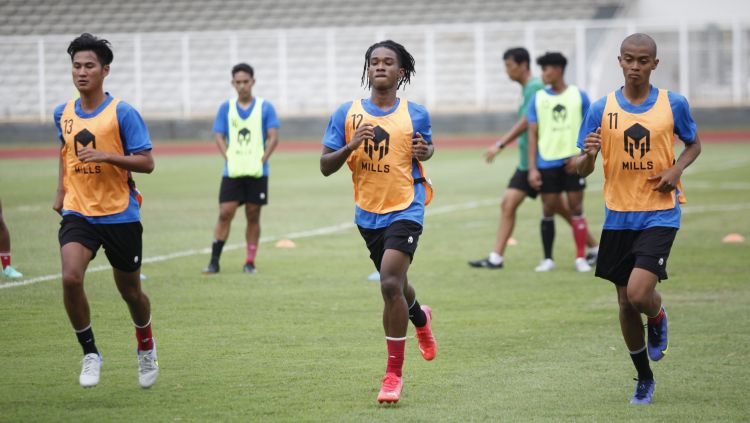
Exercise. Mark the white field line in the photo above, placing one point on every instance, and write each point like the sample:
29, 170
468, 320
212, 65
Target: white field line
325, 230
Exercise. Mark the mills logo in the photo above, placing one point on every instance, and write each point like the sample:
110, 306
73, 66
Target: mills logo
637, 138
84, 138
378, 144
559, 113
243, 137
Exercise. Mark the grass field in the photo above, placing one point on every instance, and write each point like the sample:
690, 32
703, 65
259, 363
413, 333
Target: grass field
302, 339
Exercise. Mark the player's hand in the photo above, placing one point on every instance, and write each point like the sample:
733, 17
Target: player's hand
666, 180
592, 144
92, 155
419, 148
535, 179
366, 131
491, 152
57, 204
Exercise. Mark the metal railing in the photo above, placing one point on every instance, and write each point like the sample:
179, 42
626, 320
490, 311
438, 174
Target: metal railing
311, 71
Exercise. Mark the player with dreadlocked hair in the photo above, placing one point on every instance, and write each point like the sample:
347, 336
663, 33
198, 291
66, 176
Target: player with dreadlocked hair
405, 59
384, 139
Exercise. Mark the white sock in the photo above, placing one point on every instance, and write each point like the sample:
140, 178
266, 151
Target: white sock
594, 250
495, 258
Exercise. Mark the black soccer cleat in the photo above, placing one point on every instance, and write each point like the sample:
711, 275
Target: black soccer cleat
211, 269
485, 263
249, 268
591, 258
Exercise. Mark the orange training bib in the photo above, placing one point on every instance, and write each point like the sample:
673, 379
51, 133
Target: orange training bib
93, 189
636, 146
382, 167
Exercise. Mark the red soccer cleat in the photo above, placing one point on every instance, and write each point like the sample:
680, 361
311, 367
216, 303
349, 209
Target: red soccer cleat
427, 343
390, 391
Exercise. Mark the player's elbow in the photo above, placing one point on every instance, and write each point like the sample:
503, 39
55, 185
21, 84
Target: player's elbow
325, 170
697, 146
149, 166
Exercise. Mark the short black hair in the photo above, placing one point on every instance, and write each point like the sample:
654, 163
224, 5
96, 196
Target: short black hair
552, 58
88, 42
405, 61
642, 39
243, 67
519, 55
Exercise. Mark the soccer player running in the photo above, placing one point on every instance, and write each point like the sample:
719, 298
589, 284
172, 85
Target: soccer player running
103, 140
383, 139
517, 67
246, 130
555, 116
633, 127
7, 270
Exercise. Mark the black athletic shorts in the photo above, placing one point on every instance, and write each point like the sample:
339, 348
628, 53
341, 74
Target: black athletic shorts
622, 250
245, 189
520, 181
122, 241
556, 180
401, 235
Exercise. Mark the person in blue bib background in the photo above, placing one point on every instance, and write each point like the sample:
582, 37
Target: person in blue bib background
246, 131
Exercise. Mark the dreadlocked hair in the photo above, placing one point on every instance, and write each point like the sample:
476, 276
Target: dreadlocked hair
405, 61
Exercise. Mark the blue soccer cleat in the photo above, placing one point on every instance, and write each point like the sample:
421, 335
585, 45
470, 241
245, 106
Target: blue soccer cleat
658, 343
644, 392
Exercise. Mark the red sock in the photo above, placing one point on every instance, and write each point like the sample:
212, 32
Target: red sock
395, 355
656, 319
144, 337
252, 249
580, 232
5, 259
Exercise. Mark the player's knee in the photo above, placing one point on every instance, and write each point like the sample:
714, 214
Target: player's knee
391, 286
72, 279
638, 299
506, 206
131, 295
253, 217
622, 299
225, 216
